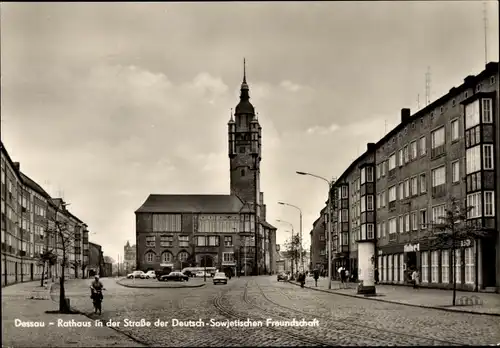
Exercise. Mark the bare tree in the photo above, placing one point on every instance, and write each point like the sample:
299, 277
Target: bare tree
292, 251
108, 259
64, 242
47, 257
453, 231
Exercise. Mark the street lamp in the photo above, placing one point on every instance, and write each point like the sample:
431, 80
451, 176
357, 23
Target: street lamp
288, 223
330, 184
300, 232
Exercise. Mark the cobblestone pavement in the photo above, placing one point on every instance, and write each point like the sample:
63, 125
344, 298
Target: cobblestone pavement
490, 302
342, 320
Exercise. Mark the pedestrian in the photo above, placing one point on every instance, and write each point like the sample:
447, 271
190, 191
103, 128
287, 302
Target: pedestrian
376, 275
342, 275
316, 276
414, 278
302, 279
347, 275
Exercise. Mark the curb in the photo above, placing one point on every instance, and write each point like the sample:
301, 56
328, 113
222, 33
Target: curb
160, 287
400, 303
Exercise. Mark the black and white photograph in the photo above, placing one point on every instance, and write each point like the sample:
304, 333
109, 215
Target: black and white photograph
250, 174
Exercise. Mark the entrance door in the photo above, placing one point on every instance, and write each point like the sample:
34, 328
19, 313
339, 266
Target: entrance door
206, 261
16, 271
32, 271
411, 264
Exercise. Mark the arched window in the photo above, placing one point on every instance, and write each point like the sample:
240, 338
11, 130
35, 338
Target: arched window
243, 172
150, 257
166, 257
183, 256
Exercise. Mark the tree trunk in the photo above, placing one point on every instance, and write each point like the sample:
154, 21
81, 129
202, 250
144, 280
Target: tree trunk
63, 307
43, 273
476, 264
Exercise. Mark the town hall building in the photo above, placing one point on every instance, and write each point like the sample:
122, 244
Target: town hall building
228, 232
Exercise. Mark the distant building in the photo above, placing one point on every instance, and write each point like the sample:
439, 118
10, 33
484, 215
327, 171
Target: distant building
130, 257
228, 232
318, 259
96, 260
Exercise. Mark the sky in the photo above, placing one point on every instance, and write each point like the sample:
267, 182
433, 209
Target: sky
106, 103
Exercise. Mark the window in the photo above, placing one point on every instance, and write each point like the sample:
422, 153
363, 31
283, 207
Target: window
488, 156
473, 159
472, 114
437, 138
434, 266
201, 241
458, 266
345, 192
454, 130
166, 241
407, 188
183, 256
406, 154
401, 224
392, 162
474, 204
414, 223
369, 202
382, 198
455, 171
400, 158
228, 257
438, 212
389, 268
445, 266
379, 201
150, 241
363, 205
213, 241
392, 193
242, 172
382, 229
150, 257
423, 183
469, 265
423, 218
369, 231
439, 176
384, 268
487, 118
489, 203
228, 241
166, 257
242, 150
425, 266
363, 175
407, 223
392, 226
414, 186
384, 164
401, 190
183, 241
369, 174
413, 150
423, 147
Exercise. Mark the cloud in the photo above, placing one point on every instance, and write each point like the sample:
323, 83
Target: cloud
290, 86
322, 130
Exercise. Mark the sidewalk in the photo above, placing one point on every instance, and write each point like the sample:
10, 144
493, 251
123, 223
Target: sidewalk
422, 297
15, 305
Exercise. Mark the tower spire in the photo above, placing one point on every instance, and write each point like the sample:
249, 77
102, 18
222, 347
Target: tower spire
244, 71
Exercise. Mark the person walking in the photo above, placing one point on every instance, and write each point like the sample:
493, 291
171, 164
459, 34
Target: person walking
376, 275
347, 275
316, 276
342, 277
414, 278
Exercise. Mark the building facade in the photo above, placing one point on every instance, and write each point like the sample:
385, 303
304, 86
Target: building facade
129, 257
318, 243
27, 225
96, 260
389, 197
229, 232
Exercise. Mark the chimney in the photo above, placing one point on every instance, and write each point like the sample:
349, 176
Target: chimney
492, 66
405, 115
263, 212
370, 147
469, 79
16, 165
261, 198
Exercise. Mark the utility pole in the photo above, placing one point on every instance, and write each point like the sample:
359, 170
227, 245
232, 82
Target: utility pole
428, 86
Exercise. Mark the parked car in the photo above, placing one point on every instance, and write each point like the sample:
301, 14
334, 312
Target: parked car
202, 274
220, 277
136, 274
174, 276
150, 274
282, 276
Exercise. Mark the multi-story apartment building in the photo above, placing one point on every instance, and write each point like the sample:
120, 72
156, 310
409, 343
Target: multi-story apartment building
401, 186
318, 243
130, 256
26, 224
174, 231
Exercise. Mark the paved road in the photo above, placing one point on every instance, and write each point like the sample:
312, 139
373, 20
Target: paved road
342, 320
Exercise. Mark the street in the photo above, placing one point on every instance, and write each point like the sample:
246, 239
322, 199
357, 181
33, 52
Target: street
342, 320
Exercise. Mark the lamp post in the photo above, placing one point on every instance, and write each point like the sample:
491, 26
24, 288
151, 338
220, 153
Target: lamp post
300, 233
289, 224
292, 244
330, 184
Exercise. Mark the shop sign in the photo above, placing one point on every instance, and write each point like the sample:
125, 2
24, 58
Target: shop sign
408, 248
166, 265
465, 243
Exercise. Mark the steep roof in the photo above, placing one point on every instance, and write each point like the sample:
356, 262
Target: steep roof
268, 225
210, 204
33, 185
